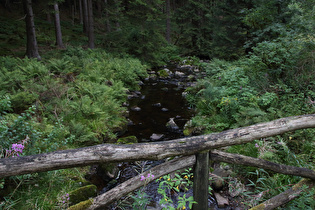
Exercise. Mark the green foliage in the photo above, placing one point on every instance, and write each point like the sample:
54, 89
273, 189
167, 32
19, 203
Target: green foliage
271, 83
12, 33
141, 200
177, 184
41, 190
181, 182
37, 138
307, 202
266, 186
82, 91
210, 29
228, 99
50, 104
142, 42
275, 80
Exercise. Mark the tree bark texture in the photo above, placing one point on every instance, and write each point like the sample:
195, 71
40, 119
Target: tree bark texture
80, 12
91, 25
31, 42
134, 183
108, 26
259, 163
179, 163
150, 151
286, 196
58, 27
168, 21
85, 17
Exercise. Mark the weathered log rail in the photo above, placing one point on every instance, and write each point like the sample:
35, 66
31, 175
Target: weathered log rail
150, 151
188, 161
106, 153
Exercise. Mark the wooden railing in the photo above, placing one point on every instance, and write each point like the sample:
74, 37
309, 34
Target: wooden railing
189, 151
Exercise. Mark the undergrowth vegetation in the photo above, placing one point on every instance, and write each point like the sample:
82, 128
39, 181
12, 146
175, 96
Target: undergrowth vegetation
72, 98
275, 80
80, 90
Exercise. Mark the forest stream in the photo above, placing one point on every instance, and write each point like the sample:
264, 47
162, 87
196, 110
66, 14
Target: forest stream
159, 101
158, 112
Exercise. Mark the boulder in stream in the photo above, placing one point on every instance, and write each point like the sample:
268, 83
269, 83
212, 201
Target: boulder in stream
222, 201
136, 109
171, 125
164, 73
156, 137
157, 105
191, 129
164, 109
179, 74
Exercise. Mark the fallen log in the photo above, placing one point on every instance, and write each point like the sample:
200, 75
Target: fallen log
150, 151
134, 183
286, 196
184, 162
220, 156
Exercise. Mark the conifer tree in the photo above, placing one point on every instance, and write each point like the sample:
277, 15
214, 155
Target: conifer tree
31, 43
58, 32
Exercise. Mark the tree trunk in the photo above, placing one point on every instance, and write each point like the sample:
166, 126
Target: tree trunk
99, 8
48, 17
7, 5
31, 46
59, 42
85, 17
150, 151
117, 11
80, 12
168, 21
91, 25
108, 26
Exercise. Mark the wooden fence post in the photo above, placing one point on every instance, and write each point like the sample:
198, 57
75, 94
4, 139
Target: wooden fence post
201, 181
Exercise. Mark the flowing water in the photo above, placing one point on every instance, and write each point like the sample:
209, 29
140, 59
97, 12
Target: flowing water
158, 101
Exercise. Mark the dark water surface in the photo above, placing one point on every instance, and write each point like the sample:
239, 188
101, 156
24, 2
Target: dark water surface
160, 100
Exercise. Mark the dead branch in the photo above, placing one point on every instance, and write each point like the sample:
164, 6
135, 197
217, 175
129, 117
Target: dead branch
260, 163
286, 196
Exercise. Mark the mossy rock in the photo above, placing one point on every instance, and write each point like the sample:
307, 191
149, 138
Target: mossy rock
188, 131
191, 129
163, 73
82, 205
127, 140
82, 194
83, 182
